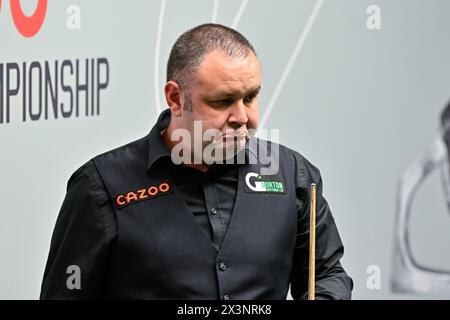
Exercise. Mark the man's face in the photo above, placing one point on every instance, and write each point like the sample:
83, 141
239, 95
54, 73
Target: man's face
224, 96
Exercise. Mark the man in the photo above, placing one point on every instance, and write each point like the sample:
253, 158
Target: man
176, 216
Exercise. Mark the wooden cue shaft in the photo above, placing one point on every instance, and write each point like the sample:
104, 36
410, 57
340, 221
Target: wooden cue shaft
312, 245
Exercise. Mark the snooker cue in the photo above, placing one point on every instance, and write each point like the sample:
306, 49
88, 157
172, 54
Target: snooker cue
312, 244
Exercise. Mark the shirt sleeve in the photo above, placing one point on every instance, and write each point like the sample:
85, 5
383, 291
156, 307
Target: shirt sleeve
331, 281
84, 230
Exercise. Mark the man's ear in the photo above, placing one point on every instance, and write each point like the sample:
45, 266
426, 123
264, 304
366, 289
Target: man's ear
172, 91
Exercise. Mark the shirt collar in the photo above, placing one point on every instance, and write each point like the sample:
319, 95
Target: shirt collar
156, 147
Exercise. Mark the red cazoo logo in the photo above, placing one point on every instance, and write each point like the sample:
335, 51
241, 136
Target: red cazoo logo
28, 26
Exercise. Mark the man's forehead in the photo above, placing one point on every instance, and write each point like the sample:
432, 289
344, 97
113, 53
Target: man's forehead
232, 92
229, 89
220, 74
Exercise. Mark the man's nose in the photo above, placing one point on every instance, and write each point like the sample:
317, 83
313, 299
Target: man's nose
238, 115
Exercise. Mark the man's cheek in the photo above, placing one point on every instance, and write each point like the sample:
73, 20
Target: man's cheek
253, 121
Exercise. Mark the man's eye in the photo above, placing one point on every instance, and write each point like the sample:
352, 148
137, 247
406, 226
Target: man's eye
249, 99
224, 103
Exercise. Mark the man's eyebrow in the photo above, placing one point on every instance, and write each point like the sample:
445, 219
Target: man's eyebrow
256, 90
226, 94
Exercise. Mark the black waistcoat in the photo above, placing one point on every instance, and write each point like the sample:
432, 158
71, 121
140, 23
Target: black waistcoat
162, 253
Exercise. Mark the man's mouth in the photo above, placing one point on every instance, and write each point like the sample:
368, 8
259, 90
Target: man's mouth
236, 135
233, 137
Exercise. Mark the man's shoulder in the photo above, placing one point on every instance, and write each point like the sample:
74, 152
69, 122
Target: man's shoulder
306, 172
117, 157
124, 152
292, 155
301, 160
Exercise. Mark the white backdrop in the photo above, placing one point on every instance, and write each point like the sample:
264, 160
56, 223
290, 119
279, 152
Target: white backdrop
361, 104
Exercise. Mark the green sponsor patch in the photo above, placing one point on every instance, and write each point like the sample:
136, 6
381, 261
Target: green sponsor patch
273, 186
